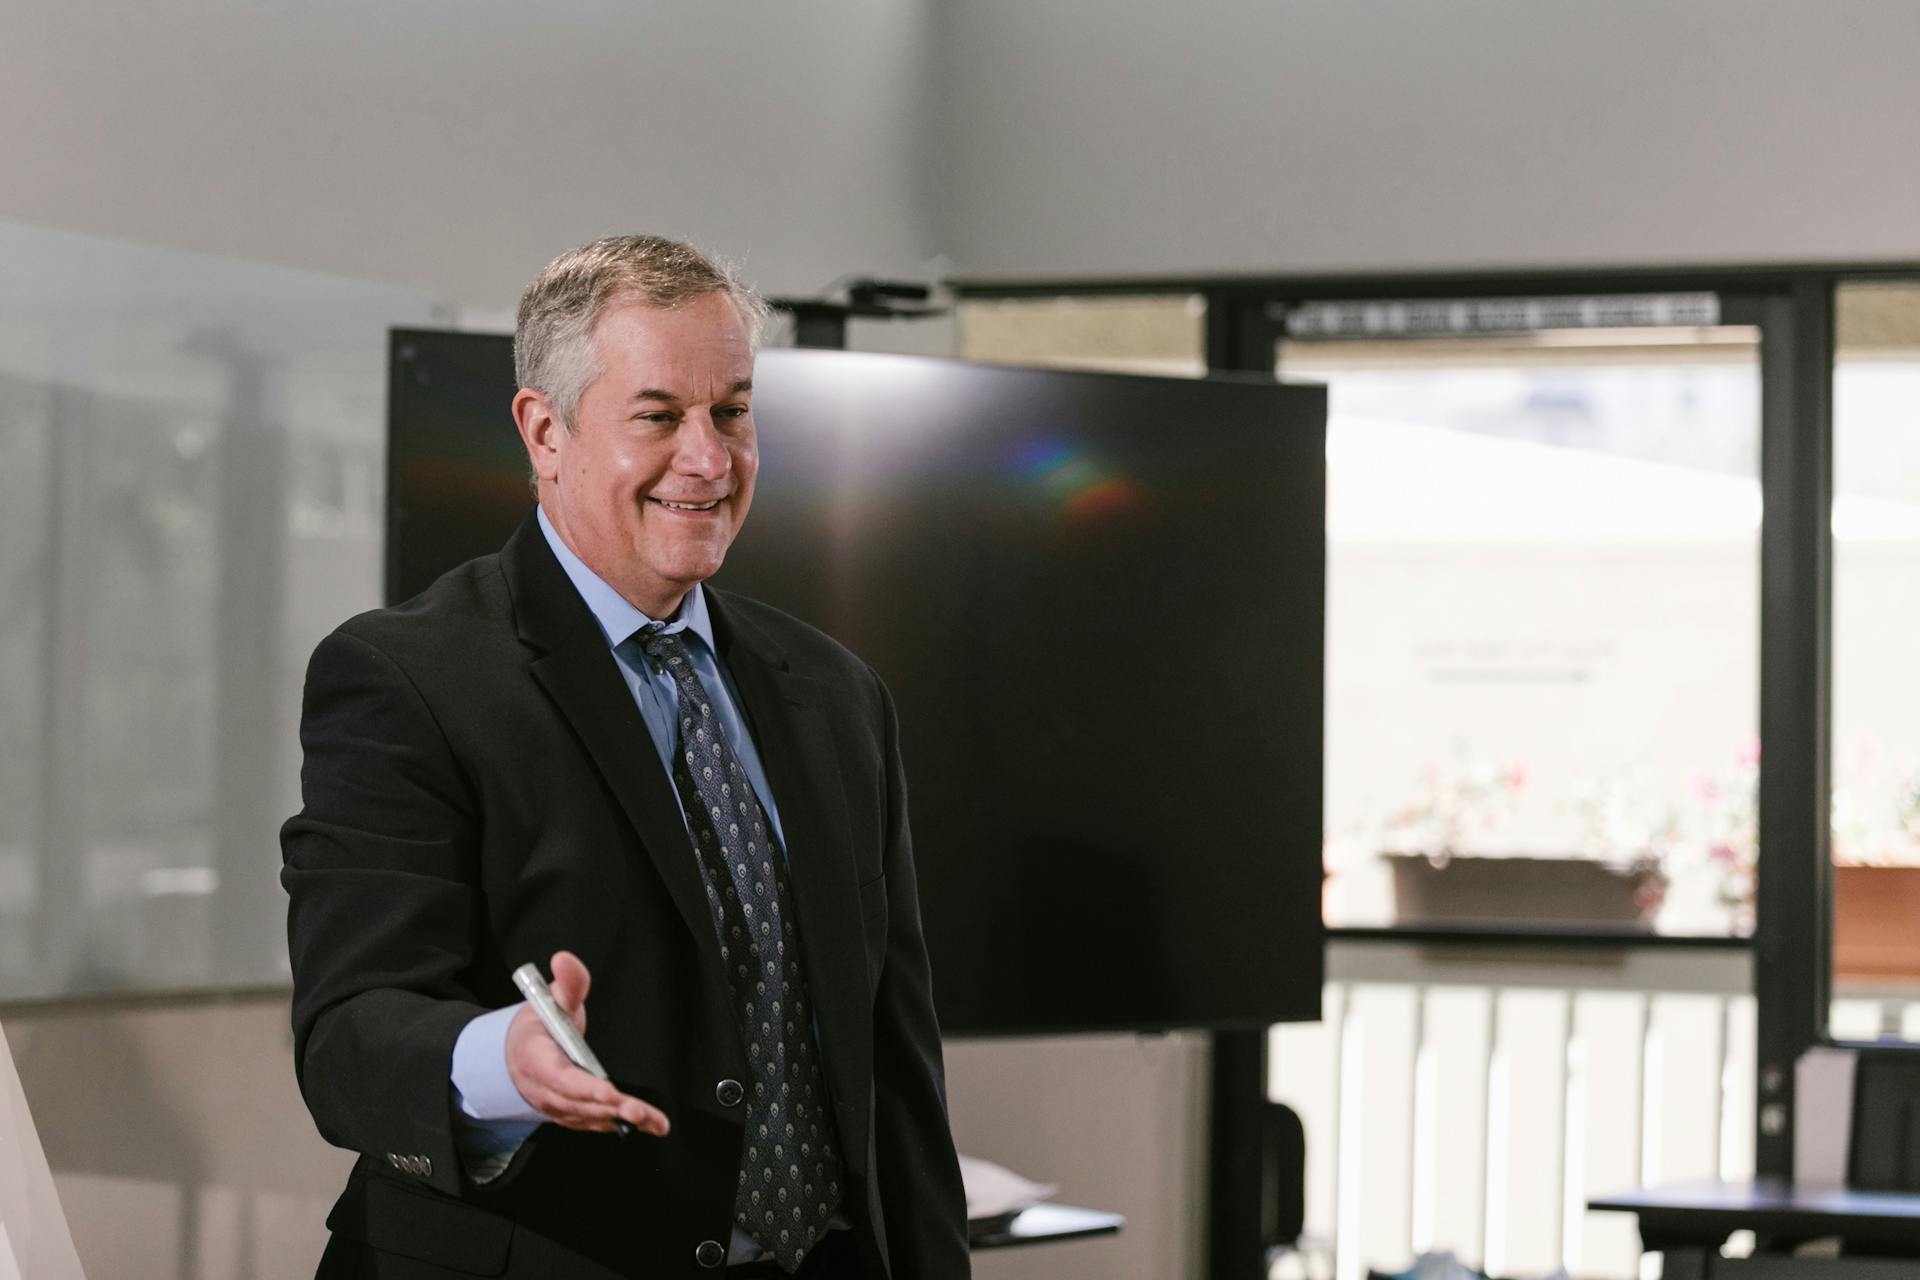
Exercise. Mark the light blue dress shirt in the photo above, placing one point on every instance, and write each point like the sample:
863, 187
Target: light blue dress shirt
494, 1118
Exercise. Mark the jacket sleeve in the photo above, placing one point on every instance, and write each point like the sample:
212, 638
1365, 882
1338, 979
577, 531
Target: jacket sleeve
918, 1174
381, 869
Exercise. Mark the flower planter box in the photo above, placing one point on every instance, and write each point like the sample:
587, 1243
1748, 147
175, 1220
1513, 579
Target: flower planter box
1876, 922
1507, 891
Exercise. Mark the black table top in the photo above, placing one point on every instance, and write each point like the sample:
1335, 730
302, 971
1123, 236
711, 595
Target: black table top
1704, 1213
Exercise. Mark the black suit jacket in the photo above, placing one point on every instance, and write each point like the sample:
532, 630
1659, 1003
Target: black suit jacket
479, 791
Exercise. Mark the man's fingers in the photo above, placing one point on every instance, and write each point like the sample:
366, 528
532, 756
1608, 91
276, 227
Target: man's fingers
580, 1100
644, 1117
581, 1106
570, 983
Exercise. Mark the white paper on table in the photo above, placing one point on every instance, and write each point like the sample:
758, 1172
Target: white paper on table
34, 1240
994, 1192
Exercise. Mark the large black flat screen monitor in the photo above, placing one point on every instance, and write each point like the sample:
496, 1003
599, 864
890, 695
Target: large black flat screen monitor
1098, 601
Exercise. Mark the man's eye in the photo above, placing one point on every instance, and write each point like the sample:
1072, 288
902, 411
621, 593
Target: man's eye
659, 417
732, 411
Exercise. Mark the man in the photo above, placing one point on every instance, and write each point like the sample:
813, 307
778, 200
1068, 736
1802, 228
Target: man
573, 752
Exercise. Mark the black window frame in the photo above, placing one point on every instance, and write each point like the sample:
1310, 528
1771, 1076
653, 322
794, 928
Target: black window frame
1793, 307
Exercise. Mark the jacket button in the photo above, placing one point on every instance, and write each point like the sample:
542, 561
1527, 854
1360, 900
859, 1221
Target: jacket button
426, 1166
729, 1093
709, 1254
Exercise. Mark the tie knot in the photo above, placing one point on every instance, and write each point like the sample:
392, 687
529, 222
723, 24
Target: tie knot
656, 643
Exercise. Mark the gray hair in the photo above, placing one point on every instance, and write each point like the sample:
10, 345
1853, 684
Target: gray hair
553, 348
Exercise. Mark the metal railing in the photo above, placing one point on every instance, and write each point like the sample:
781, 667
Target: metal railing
1471, 1094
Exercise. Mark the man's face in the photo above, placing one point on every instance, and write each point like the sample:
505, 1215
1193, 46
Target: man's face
655, 478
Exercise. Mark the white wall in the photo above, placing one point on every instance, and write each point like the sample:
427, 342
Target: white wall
456, 145
178, 1142
1250, 135
1117, 1122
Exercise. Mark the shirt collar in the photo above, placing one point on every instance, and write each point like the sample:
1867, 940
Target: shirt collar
618, 619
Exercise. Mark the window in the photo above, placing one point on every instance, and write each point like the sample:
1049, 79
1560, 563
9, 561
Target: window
1542, 624
1876, 681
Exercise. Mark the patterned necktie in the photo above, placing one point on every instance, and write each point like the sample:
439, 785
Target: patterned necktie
790, 1171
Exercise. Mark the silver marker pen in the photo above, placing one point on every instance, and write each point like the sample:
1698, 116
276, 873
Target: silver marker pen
560, 1027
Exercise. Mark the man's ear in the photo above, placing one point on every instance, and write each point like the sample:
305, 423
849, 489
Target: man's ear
540, 430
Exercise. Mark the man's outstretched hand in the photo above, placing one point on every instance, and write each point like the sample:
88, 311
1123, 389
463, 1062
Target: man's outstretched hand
552, 1085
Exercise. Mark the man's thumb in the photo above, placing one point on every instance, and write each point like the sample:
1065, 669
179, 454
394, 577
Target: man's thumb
570, 982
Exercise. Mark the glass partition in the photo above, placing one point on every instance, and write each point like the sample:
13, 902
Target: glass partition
193, 496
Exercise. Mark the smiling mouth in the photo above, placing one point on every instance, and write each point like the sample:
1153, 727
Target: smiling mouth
686, 506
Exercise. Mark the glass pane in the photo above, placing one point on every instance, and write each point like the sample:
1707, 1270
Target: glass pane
1876, 683
1542, 630
1159, 334
193, 497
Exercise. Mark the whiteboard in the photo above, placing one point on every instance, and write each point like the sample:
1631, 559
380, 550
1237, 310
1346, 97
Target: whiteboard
192, 497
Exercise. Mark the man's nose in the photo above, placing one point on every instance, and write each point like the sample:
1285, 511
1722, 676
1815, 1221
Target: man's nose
699, 449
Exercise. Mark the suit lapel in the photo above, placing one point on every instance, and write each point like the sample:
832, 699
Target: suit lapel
791, 719
578, 671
